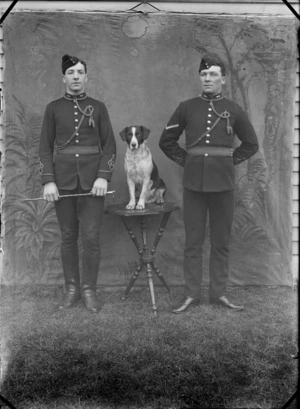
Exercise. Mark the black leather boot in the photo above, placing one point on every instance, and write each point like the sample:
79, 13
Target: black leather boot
72, 278
72, 295
89, 298
90, 266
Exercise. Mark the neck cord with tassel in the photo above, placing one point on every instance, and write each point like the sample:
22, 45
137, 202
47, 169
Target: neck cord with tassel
223, 115
88, 111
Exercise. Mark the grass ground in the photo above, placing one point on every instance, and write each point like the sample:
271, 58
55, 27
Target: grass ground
125, 357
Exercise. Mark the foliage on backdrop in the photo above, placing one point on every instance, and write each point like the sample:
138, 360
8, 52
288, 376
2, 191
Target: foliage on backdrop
142, 66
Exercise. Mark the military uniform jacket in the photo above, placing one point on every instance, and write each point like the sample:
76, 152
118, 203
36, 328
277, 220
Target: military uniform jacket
197, 117
63, 118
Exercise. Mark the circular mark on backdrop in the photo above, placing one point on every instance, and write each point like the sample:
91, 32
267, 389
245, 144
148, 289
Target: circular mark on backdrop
135, 27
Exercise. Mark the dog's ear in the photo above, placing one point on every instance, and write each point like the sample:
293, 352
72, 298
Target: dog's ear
146, 132
123, 134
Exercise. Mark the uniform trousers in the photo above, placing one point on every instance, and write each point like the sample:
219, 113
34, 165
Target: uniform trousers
196, 207
80, 214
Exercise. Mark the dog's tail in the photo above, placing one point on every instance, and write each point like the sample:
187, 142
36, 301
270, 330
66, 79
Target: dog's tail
158, 183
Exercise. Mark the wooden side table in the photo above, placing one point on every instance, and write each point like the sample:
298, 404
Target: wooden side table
147, 260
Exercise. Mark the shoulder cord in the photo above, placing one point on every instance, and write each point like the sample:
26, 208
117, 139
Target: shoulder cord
88, 112
223, 115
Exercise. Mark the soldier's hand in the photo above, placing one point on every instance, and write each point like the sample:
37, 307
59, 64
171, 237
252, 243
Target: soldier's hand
50, 192
99, 187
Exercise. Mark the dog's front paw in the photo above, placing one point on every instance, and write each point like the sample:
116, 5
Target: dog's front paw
140, 205
130, 206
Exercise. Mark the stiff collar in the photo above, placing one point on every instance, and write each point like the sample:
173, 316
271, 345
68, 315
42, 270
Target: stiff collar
208, 97
78, 97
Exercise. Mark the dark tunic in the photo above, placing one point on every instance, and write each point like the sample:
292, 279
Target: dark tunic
206, 172
61, 121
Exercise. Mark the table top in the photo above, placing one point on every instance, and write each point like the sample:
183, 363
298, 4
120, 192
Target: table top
150, 209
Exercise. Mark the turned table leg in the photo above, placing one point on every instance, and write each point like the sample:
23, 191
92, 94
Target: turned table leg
146, 255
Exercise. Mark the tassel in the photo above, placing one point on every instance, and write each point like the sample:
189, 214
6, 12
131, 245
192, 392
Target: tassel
229, 128
91, 122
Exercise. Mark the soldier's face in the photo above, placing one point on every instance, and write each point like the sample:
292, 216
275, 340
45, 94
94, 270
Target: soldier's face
75, 79
212, 80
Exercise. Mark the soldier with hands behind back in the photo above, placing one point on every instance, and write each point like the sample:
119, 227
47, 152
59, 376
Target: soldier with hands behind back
210, 122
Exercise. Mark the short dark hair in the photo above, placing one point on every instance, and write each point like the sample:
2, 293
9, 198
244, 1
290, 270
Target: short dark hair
212, 59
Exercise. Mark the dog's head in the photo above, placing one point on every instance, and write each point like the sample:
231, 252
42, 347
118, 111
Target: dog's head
134, 136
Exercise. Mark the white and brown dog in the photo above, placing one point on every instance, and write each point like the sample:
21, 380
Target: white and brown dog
144, 183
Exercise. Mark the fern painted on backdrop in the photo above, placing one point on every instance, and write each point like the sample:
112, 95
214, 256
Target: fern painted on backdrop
30, 226
254, 219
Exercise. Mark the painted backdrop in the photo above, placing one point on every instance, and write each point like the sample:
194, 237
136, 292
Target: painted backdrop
142, 66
